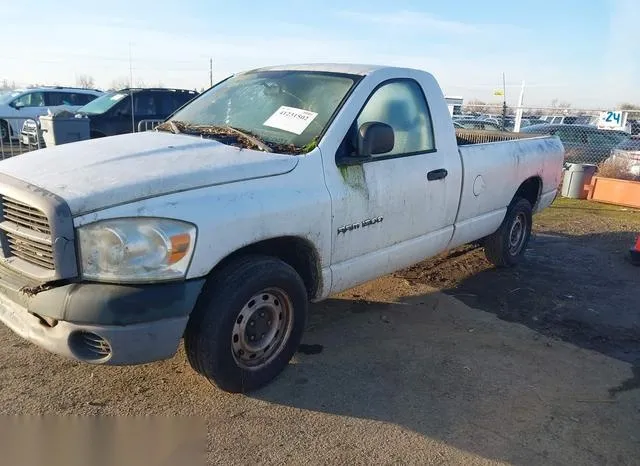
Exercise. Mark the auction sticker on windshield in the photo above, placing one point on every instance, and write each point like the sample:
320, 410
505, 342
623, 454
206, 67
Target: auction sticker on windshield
291, 119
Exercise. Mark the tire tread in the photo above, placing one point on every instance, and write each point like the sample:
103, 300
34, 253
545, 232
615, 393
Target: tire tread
495, 245
222, 289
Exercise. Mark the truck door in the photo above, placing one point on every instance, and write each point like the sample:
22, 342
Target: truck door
394, 208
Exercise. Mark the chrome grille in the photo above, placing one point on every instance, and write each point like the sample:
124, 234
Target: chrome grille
27, 233
25, 216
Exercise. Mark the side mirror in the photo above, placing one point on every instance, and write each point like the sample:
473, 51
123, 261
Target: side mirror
18, 105
375, 138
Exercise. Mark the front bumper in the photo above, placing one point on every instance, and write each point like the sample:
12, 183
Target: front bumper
31, 139
135, 324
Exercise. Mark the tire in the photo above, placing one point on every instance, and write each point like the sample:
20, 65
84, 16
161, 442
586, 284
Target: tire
252, 302
4, 131
505, 247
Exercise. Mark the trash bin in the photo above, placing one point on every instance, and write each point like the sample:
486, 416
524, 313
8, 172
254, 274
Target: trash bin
64, 127
577, 178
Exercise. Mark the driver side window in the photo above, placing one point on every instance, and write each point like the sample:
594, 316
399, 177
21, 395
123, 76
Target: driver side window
31, 99
401, 105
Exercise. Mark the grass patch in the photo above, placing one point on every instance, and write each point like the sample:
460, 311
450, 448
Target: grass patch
575, 216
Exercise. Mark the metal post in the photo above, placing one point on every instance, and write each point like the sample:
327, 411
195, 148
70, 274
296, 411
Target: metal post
504, 102
210, 72
133, 120
518, 122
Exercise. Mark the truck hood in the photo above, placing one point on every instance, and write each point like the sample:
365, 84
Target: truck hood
100, 173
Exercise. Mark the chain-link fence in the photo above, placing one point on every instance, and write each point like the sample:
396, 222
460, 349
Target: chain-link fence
589, 136
19, 134
14, 140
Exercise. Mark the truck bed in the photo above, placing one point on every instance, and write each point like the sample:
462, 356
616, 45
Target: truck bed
466, 137
493, 164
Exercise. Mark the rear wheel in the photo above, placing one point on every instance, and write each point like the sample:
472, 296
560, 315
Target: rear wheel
248, 323
505, 247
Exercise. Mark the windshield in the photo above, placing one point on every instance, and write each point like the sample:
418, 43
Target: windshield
285, 108
103, 103
6, 97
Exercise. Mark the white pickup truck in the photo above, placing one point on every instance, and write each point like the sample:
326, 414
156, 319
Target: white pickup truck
276, 187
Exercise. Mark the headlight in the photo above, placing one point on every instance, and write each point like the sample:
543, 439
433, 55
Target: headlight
136, 249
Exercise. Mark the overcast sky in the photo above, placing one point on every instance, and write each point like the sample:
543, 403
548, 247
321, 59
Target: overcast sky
582, 51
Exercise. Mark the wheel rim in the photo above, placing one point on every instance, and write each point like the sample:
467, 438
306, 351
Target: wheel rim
262, 328
517, 234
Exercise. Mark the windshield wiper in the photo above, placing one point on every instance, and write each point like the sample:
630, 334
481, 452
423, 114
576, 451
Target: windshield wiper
254, 139
174, 127
169, 126
181, 127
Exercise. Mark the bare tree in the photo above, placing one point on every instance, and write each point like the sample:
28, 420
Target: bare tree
7, 86
475, 106
478, 106
85, 81
634, 110
140, 83
560, 104
120, 83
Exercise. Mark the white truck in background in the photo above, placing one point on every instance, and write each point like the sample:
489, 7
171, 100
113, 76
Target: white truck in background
455, 105
275, 187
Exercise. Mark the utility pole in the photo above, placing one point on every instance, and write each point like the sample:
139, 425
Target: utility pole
504, 102
210, 72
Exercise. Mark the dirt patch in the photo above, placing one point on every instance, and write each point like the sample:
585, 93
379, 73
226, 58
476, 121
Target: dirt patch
395, 371
576, 283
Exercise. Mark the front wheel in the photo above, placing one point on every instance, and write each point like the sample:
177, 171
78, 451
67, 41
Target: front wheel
248, 323
505, 247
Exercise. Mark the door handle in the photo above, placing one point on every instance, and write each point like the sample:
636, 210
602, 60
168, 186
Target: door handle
439, 174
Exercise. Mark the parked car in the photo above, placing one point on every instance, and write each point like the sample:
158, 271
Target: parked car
570, 119
111, 114
532, 121
274, 187
628, 152
22, 104
468, 123
583, 143
524, 122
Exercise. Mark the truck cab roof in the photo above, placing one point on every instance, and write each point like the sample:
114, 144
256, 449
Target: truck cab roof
345, 68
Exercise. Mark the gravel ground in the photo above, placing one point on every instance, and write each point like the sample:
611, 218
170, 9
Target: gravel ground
448, 362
